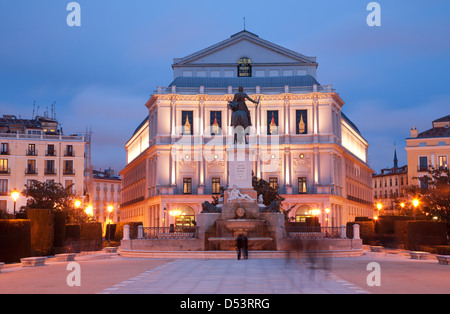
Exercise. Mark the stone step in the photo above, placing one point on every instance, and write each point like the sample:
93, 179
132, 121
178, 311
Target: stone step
232, 254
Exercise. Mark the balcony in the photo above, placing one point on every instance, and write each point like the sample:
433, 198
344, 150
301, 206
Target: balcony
31, 152
69, 154
50, 153
5, 152
31, 171
5, 171
50, 171
69, 172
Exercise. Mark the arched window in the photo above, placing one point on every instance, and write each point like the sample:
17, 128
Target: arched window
244, 67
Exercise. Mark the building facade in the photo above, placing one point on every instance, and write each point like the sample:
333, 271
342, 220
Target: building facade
37, 149
106, 192
389, 187
430, 148
301, 142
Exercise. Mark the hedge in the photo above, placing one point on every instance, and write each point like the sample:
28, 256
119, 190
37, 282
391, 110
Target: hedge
42, 231
414, 234
133, 230
15, 240
83, 237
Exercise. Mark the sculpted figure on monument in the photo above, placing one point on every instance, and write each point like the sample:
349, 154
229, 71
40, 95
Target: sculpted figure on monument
241, 114
236, 195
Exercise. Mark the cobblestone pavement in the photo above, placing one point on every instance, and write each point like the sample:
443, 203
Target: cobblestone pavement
258, 276
103, 273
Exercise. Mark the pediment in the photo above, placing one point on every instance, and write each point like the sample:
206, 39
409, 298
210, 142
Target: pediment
244, 44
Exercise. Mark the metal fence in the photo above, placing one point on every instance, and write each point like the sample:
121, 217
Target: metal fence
316, 232
170, 232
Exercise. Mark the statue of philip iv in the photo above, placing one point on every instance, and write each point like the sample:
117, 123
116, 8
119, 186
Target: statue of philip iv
241, 115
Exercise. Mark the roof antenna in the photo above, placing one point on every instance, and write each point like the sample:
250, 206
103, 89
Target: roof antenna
34, 107
244, 23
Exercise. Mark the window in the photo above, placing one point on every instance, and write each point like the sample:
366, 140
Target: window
244, 67
50, 150
215, 185
272, 122
187, 120
3, 205
50, 167
216, 122
69, 150
302, 185
3, 187
301, 122
31, 166
68, 185
4, 149
273, 182
68, 167
187, 185
442, 163
31, 150
423, 163
4, 166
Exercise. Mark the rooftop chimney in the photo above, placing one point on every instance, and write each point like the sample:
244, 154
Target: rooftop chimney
414, 132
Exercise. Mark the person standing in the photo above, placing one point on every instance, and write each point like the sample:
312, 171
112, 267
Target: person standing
240, 245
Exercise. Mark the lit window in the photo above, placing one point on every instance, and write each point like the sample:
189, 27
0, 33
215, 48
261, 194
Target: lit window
244, 67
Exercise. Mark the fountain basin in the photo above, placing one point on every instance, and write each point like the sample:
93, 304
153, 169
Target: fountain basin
229, 244
231, 228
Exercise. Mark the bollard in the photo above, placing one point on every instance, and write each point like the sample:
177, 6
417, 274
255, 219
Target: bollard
126, 232
343, 232
140, 232
356, 232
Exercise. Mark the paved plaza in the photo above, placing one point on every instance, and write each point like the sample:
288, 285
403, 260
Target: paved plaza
103, 273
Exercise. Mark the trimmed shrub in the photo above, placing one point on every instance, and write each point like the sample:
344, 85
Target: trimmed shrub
15, 240
59, 219
386, 224
426, 233
133, 230
72, 238
42, 231
91, 236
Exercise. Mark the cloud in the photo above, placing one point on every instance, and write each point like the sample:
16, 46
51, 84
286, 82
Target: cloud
112, 114
383, 123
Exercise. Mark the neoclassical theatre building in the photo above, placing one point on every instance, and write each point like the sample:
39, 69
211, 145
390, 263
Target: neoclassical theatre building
301, 141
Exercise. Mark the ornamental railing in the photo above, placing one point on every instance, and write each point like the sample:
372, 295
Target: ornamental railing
173, 232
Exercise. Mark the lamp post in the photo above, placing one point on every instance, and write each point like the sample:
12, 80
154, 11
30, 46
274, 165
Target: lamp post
164, 221
379, 207
77, 204
15, 195
110, 209
89, 211
415, 203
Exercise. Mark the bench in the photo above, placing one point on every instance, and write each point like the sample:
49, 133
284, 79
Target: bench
419, 255
377, 249
443, 259
110, 249
33, 261
65, 257
1, 266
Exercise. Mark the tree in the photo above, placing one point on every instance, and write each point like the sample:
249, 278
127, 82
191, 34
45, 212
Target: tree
434, 194
55, 197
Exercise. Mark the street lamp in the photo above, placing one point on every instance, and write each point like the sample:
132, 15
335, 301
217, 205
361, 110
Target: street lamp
379, 207
77, 204
15, 195
89, 210
110, 209
415, 202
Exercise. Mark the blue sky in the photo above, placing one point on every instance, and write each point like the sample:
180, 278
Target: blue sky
101, 74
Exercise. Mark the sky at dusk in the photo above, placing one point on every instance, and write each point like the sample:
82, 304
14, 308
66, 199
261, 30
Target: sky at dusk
101, 74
